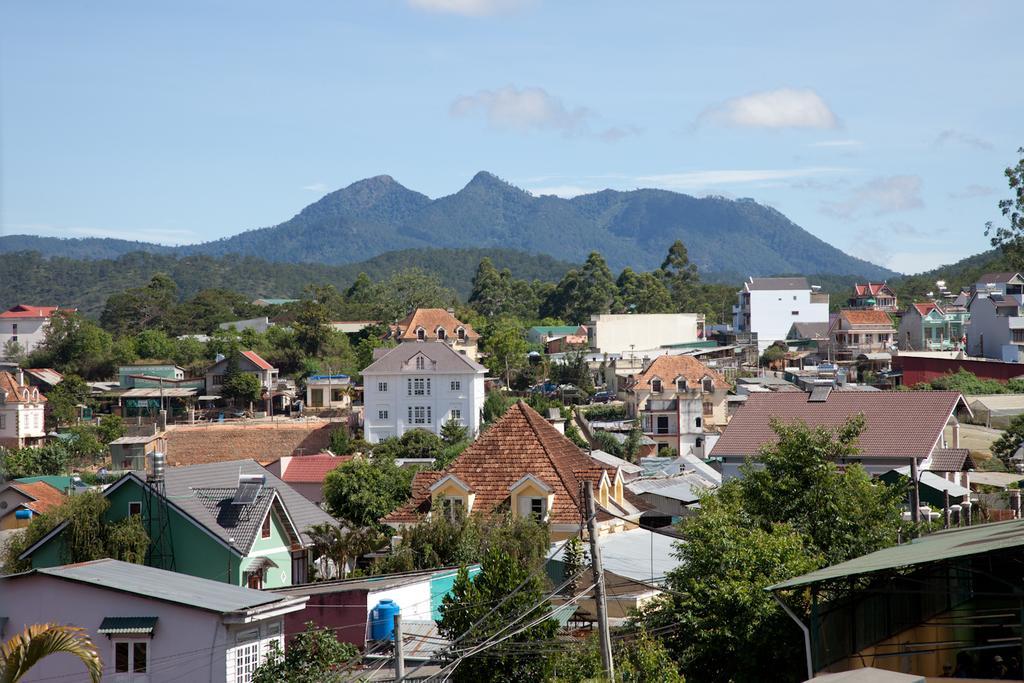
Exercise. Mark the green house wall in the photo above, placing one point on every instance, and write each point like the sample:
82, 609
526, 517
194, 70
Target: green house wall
275, 548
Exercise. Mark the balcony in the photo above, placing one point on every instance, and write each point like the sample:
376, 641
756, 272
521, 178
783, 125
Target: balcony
655, 405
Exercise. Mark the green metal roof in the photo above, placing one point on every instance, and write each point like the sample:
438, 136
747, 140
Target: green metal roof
555, 329
58, 482
115, 625
943, 545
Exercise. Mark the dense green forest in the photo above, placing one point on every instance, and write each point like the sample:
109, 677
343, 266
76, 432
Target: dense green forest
29, 278
379, 215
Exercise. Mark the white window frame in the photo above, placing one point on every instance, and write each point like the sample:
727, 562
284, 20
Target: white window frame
453, 507
421, 364
247, 657
382, 387
455, 415
456, 385
382, 414
130, 673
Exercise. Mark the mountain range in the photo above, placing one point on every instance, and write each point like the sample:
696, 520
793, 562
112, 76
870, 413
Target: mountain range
635, 228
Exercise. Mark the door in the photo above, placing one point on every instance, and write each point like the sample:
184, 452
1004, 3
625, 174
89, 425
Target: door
317, 396
131, 661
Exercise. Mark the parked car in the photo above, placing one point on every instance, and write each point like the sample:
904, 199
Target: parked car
601, 397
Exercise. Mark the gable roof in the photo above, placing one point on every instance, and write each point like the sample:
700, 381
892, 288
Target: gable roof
46, 375
311, 469
866, 317
163, 585
12, 392
44, 497
871, 289
776, 283
926, 308
997, 277
257, 360
951, 460
444, 358
520, 443
26, 311
668, 368
430, 319
243, 522
897, 423
809, 330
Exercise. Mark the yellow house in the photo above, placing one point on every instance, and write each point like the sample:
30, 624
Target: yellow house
525, 466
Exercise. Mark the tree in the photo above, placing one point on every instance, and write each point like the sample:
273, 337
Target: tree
631, 446
83, 444
64, 399
111, 428
241, 387
453, 432
341, 444
641, 293
28, 648
313, 656
772, 355
1010, 237
680, 276
361, 491
154, 344
74, 345
506, 347
312, 327
415, 443
13, 352
88, 535
49, 459
495, 405
142, 308
638, 659
505, 597
605, 441
490, 289
1009, 441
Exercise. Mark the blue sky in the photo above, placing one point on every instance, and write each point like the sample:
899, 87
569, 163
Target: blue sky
880, 127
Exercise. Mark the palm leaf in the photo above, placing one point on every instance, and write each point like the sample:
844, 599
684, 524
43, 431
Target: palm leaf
19, 654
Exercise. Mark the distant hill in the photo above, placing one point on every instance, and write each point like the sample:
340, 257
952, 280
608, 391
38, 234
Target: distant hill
635, 228
86, 284
958, 276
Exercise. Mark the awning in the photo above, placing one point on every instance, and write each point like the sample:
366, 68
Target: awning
122, 625
879, 356
209, 398
168, 392
261, 563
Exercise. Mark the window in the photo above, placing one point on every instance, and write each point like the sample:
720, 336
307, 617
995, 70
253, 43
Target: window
1018, 337
337, 395
709, 408
533, 507
134, 507
419, 415
265, 529
131, 656
456, 385
254, 580
697, 422
418, 386
461, 333
421, 334
441, 334
681, 384
662, 425
382, 387
420, 363
537, 507
382, 414
708, 385
456, 415
218, 380
454, 508
247, 658
795, 312
3, 422
656, 386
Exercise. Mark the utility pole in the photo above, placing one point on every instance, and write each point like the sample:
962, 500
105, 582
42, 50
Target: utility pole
399, 649
599, 588
915, 493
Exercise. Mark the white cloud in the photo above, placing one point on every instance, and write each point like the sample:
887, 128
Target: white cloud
530, 109
563, 191
699, 179
781, 108
972, 191
959, 136
317, 187
469, 8
837, 143
879, 196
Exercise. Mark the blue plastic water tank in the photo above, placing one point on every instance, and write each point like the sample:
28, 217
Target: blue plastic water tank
382, 620
23, 514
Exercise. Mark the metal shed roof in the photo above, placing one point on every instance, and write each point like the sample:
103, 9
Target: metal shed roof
943, 545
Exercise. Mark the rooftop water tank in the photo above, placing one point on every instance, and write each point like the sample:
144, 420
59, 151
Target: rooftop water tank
382, 620
23, 514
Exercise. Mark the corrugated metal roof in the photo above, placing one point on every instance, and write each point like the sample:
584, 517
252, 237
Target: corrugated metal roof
160, 584
121, 625
944, 545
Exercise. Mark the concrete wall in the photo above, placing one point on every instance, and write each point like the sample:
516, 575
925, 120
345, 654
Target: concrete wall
396, 401
773, 312
30, 332
616, 333
21, 424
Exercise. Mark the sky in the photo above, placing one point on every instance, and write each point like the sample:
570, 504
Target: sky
880, 127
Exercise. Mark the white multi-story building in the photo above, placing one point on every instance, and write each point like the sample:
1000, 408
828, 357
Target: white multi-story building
768, 306
421, 385
24, 325
621, 333
22, 412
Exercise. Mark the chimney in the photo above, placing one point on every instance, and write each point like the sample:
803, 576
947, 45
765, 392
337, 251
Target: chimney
556, 420
21, 377
646, 363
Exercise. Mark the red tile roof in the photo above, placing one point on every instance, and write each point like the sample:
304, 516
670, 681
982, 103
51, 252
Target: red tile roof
871, 288
897, 423
311, 469
25, 311
926, 308
18, 393
257, 360
430, 319
668, 368
520, 443
866, 317
44, 497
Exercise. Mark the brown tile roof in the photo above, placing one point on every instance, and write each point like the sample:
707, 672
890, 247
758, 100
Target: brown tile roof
12, 392
520, 443
44, 497
951, 460
897, 423
867, 317
668, 368
192, 445
430, 319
